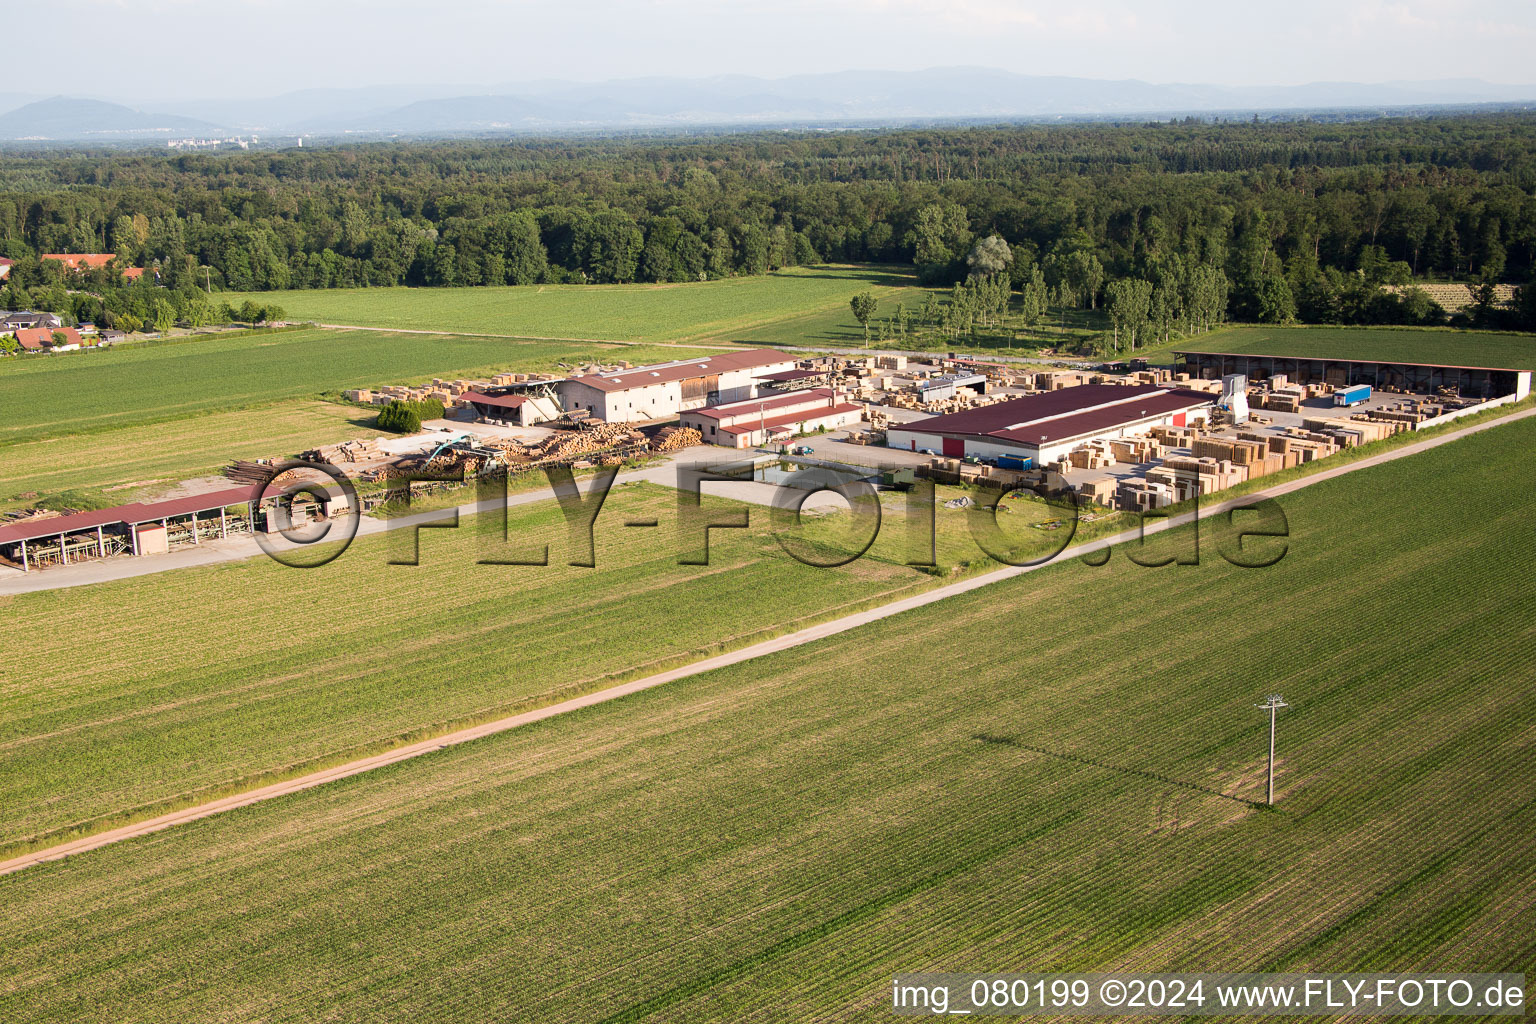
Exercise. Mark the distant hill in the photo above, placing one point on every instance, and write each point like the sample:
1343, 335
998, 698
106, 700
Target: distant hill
884, 96
67, 119
836, 99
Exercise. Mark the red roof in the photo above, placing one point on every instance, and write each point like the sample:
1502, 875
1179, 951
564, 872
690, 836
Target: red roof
81, 259
133, 273
753, 405
683, 369
126, 515
504, 401
791, 419
784, 376
1058, 415
36, 339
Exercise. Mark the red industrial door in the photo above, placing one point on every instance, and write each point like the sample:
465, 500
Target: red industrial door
1178, 419
954, 447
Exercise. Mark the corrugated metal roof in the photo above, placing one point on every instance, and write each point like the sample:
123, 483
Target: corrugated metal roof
206, 502
1336, 359
32, 529
752, 405
503, 401
683, 369
125, 515
1058, 415
790, 419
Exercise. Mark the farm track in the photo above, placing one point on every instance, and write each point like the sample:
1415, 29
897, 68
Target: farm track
751, 652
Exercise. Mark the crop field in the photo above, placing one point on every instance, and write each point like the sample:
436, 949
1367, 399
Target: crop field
705, 311
204, 679
124, 464
101, 389
1390, 344
1055, 771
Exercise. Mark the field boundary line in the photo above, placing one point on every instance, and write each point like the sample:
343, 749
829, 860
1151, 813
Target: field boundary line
771, 646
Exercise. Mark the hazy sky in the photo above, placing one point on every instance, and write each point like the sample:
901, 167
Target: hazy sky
195, 48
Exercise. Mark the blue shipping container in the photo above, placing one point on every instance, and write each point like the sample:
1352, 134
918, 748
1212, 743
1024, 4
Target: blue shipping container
1014, 462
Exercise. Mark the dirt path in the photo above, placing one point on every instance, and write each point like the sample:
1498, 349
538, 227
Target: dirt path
757, 650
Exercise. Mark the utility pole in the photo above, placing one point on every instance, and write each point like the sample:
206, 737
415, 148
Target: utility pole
1273, 703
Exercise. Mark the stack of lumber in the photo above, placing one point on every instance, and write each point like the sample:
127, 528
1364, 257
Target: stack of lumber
1176, 437
605, 435
1189, 477
1138, 495
672, 439
1353, 432
1093, 455
247, 472
1135, 449
1100, 492
358, 450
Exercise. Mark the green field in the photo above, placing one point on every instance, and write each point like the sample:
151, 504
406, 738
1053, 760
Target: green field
706, 311
122, 464
98, 389
1050, 773
1389, 344
203, 680
373, 653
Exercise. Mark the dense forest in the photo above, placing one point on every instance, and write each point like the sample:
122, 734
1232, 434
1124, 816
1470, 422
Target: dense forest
1269, 222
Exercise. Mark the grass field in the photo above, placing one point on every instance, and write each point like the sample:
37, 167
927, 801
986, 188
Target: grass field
102, 389
1047, 774
122, 464
260, 683
1390, 344
200, 680
707, 311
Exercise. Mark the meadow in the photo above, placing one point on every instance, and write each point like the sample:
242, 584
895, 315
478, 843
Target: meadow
1389, 344
703, 311
164, 689
73, 393
123, 464
1055, 772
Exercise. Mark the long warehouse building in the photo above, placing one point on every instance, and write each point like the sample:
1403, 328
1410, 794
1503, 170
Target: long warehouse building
1047, 426
666, 389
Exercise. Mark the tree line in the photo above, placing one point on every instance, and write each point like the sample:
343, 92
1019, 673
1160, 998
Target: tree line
1275, 220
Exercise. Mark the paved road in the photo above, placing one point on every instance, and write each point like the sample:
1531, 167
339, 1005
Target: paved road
757, 650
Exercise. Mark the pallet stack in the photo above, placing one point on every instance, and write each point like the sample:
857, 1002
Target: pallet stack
1135, 449
1093, 455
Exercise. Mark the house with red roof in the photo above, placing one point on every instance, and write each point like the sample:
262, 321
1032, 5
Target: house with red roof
5, 267
45, 339
81, 260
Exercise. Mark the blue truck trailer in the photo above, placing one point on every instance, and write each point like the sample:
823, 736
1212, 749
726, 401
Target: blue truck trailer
1352, 395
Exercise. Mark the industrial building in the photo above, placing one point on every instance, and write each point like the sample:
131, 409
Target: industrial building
1484, 382
523, 408
666, 389
758, 421
1046, 426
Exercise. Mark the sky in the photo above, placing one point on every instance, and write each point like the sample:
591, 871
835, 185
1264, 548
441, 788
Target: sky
254, 48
